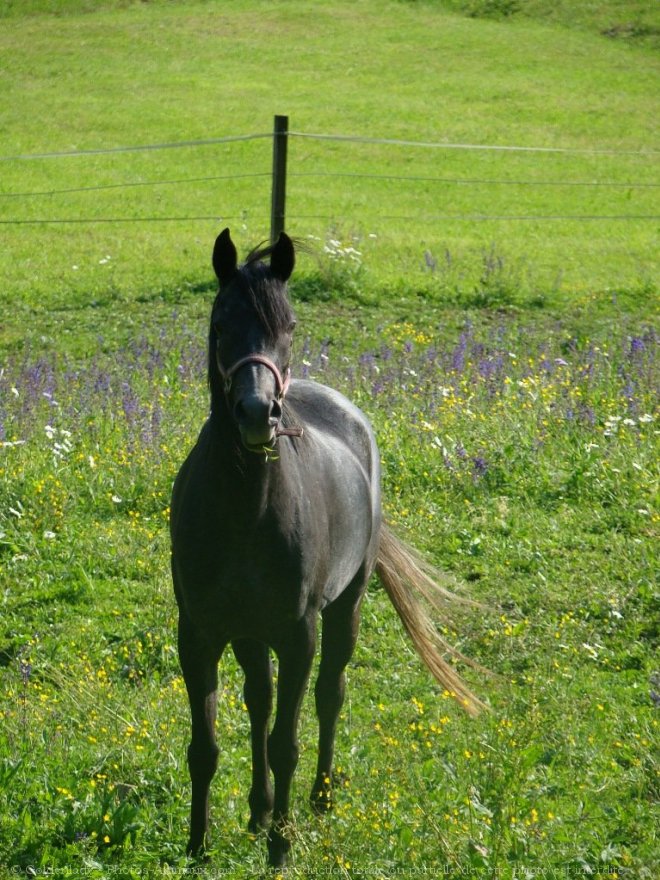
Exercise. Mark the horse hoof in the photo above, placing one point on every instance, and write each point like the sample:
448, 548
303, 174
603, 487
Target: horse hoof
277, 860
258, 823
197, 851
278, 851
321, 808
321, 801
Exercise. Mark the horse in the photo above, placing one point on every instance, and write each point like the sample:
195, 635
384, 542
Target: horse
276, 519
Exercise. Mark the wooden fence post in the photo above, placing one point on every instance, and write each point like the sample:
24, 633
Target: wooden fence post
278, 198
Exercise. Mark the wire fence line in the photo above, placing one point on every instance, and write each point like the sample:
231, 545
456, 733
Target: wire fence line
359, 139
434, 218
485, 147
458, 181
320, 174
62, 221
143, 148
135, 183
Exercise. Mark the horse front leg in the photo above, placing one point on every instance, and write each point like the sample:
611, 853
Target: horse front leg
295, 660
340, 630
254, 658
200, 672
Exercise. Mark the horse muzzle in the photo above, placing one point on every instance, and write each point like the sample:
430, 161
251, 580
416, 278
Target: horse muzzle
257, 418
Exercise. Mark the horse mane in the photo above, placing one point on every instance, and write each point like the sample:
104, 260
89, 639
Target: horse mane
265, 293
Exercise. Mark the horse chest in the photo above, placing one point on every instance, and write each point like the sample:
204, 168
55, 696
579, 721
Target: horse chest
242, 575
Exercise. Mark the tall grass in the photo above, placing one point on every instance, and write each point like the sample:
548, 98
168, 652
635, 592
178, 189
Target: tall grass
522, 461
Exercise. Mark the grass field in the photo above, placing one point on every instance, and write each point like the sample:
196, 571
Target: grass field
510, 369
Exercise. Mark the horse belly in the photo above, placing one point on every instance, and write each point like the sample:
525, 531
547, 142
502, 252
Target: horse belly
352, 523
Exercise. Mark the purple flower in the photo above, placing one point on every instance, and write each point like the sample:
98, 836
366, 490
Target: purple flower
479, 467
637, 345
458, 355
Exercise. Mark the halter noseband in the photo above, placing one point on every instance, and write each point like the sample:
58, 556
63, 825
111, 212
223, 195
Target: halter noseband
281, 383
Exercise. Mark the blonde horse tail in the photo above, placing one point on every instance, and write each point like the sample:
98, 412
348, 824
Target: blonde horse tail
404, 575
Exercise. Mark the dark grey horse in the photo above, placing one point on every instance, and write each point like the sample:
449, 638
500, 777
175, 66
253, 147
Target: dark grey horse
276, 517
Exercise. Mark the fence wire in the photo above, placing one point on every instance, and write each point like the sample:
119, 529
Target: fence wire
353, 175
175, 145
349, 175
347, 138
358, 139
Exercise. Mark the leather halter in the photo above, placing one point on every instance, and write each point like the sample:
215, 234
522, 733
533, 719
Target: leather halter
281, 383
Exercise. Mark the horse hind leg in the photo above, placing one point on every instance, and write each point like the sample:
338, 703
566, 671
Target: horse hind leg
254, 658
340, 630
200, 673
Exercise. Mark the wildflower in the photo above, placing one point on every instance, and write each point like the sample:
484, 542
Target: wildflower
26, 670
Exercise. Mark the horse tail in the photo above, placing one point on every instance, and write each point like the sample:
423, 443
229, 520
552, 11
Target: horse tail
404, 573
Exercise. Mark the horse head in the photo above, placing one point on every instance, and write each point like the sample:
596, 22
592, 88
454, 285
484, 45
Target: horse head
250, 338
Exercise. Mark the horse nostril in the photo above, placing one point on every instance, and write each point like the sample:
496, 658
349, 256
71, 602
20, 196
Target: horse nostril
239, 411
254, 411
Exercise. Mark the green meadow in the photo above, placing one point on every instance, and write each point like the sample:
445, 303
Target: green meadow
477, 270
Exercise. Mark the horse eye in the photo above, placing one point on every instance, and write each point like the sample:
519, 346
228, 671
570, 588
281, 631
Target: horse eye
292, 326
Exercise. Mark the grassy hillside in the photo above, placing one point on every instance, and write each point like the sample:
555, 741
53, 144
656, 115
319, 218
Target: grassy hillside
634, 20
637, 22
167, 72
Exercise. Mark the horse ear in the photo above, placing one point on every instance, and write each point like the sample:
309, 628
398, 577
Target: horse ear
225, 258
282, 258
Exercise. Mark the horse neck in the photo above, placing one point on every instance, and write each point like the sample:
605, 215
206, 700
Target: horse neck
249, 481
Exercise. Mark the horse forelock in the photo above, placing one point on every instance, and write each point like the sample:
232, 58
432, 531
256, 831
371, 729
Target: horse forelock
266, 295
